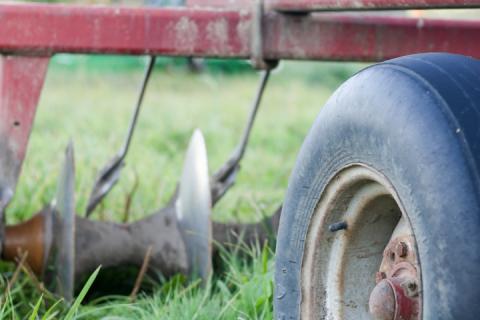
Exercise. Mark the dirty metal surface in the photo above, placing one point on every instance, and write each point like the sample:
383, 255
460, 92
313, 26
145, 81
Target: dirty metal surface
397, 295
41, 29
364, 38
45, 29
325, 5
237, 4
20, 85
21, 81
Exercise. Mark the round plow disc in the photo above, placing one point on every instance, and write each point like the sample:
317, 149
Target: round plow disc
60, 278
193, 208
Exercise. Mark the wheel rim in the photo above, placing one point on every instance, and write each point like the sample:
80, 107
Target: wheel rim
373, 261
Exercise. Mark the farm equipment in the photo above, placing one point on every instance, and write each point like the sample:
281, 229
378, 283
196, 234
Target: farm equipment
64, 247
381, 217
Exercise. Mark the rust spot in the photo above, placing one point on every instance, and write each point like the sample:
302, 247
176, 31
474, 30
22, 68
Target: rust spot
186, 32
217, 33
30, 237
420, 23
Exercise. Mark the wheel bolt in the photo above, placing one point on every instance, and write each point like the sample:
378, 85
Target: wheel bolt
379, 276
411, 288
401, 249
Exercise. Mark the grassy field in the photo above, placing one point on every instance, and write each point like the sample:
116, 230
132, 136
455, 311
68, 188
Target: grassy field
92, 105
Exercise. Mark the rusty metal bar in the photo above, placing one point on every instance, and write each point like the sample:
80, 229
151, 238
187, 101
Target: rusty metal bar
341, 5
21, 81
365, 38
40, 29
238, 4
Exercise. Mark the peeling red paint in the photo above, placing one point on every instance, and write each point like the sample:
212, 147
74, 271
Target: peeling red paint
41, 29
364, 38
21, 81
220, 3
325, 5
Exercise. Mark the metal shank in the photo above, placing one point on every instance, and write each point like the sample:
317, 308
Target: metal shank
109, 174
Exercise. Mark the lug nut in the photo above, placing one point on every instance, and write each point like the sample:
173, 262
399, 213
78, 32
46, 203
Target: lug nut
401, 249
411, 288
390, 254
379, 276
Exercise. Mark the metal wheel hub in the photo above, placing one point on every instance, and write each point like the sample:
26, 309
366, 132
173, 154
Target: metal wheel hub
396, 295
360, 258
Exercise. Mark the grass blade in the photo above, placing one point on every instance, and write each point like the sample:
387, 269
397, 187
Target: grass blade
48, 315
34, 314
81, 296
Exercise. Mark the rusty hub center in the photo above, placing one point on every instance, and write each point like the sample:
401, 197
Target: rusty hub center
397, 295
32, 237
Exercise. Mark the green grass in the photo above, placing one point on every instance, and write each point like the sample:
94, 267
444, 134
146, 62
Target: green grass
92, 107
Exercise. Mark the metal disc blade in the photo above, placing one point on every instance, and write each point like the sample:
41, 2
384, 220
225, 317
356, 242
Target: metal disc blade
193, 208
62, 277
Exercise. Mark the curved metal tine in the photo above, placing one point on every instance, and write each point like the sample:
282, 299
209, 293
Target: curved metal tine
110, 173
193, 208
64, 233
224, 178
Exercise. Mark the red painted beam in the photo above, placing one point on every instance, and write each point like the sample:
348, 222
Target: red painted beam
48, 29
39, 29
339, 5
21, 81
324, 36
230, 4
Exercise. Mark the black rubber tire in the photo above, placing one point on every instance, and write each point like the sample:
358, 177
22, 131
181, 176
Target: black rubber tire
416, 120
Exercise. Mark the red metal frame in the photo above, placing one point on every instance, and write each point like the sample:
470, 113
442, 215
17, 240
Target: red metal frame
336, 5
41, 29
21, 81
47, 29
239, 4
357, 38
30, 33
323, 5
20, 86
